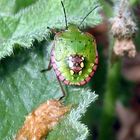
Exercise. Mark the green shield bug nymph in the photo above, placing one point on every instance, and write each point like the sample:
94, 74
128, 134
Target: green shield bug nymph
74, 56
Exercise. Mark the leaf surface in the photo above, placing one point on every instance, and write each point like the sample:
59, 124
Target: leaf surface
31, 23
22, 86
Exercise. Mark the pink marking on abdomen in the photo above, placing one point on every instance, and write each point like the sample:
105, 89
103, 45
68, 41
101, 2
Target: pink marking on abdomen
52, 59
92, 73
94, 67
96, 60
83, 82
88, 79
61, 77
54, 66
66, 82
57, 72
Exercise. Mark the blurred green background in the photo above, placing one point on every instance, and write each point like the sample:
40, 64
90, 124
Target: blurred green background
117, 112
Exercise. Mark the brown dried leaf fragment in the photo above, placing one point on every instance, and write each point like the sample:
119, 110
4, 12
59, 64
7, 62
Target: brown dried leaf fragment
124, 29
42, 120
121, 47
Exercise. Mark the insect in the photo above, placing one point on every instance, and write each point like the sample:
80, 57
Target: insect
74, 56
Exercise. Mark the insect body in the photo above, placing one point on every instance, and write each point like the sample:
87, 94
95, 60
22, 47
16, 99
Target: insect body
74, 56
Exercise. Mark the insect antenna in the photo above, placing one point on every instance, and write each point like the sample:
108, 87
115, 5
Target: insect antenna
64, 14
88, 15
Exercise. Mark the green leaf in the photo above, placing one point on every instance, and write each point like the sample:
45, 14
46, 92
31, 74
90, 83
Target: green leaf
31, 23
6, 6
9, 7
71, 128
23, 87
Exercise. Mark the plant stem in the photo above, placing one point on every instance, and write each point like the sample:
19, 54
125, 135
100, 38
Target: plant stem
110, 97
111, 94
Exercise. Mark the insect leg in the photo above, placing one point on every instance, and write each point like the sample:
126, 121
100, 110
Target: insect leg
49, 67
52, 30
62, 89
